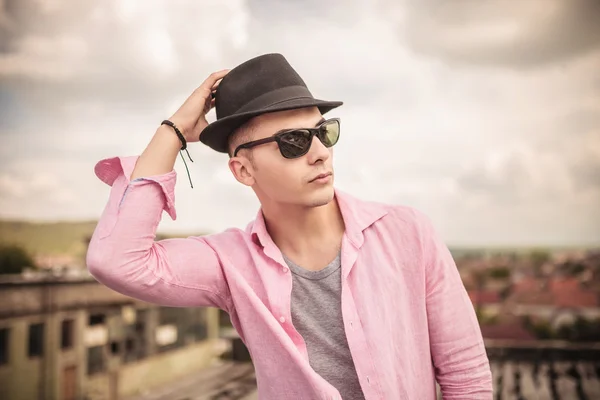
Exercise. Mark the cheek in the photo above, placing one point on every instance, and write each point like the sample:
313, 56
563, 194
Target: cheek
279, 175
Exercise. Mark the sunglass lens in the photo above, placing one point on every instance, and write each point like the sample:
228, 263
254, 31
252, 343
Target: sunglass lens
295, 143
330, 133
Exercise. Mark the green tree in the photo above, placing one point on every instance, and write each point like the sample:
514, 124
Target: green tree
538, 258
542, 330
585, 329
14, 259
499, 273
576, 268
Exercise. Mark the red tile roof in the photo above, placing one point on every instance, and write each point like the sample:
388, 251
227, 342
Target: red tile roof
559, 292
576, 299
563, 284
512, 331
484, 297
527, 285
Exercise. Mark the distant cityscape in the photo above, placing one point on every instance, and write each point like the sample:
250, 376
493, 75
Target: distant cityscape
539, 312
541, 294
518, 294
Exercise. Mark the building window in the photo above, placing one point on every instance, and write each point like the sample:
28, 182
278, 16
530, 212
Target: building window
197, 327
96, 319
95, 360
4, 340
66, 334
36, 340
172, 324
129, 345
180, 326
135, 343
114, 347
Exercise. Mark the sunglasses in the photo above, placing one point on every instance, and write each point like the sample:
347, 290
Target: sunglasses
294, 143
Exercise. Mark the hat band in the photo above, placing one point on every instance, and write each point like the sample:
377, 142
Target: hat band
276, 96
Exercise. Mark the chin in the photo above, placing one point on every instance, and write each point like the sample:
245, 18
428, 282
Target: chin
321, 197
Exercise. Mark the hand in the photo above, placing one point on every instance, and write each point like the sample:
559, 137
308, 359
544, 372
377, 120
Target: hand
190, 118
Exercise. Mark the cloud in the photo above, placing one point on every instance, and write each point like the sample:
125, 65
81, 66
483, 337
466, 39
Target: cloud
534, 189
120, 50
6, 24
535, 33
36, 192
425, 121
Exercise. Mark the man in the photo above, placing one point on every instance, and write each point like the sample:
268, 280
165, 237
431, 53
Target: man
334, 297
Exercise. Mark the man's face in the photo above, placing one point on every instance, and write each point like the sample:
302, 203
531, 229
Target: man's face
279, 180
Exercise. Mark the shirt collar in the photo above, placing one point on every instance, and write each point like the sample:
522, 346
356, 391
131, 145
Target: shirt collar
358, 215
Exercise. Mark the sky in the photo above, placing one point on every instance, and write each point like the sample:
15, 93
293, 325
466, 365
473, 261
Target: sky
483, 115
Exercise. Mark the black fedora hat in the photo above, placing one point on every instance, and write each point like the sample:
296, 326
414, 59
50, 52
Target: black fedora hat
263, 84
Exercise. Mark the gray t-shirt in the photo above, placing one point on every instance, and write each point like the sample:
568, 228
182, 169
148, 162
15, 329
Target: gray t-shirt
317, 315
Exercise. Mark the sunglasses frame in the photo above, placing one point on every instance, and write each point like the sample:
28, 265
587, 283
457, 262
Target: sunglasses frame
277, 138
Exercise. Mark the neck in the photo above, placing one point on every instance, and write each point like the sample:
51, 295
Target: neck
304, 230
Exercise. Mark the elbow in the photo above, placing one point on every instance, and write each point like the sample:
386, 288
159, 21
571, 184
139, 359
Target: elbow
120, 266
108, 264
93, 259
98, 265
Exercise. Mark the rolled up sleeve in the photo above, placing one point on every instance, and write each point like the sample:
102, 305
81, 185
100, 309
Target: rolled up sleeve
457, 346
124, 256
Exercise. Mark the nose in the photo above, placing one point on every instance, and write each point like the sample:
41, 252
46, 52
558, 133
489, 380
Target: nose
318, 151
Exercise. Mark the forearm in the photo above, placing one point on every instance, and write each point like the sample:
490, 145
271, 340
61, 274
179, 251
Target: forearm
124, 256
159, 156
457, 347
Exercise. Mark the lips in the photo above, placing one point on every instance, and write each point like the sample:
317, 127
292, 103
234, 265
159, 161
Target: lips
320, 176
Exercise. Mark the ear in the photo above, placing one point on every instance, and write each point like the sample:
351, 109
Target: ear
242, 170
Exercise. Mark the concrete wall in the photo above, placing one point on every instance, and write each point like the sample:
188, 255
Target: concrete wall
25, 378
164, 368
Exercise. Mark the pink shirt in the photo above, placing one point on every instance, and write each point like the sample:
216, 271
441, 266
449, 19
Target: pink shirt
407, 316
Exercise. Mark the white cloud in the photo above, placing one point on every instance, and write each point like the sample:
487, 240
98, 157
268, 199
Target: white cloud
491, 33
502, 155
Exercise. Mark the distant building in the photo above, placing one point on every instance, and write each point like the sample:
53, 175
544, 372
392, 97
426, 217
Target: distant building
557, 300
487, 302
49, 261
76, 339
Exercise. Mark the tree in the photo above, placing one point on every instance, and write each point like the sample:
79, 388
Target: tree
538, 258
14, 259
541, 329
499, 273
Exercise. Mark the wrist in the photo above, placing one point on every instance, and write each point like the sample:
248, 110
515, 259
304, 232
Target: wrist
177, 131
167, 135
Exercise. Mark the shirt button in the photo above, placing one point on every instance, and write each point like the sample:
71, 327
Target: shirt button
284, 269
282, 320
368, 380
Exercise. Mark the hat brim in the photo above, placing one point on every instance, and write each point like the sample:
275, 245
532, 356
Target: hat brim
216, 134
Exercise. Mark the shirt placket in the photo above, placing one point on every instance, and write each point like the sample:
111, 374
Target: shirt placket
282, 297
355, 335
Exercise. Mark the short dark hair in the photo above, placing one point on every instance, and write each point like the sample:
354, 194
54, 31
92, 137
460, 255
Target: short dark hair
241, 135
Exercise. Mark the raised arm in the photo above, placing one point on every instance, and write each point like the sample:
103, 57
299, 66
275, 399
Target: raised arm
123, 253
461, 365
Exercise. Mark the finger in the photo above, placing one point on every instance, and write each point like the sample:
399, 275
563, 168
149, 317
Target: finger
214, 78
203, 93
207, 106
199, 97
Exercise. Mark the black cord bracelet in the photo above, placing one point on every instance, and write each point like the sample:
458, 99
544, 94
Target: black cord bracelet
183, 147
177, 131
